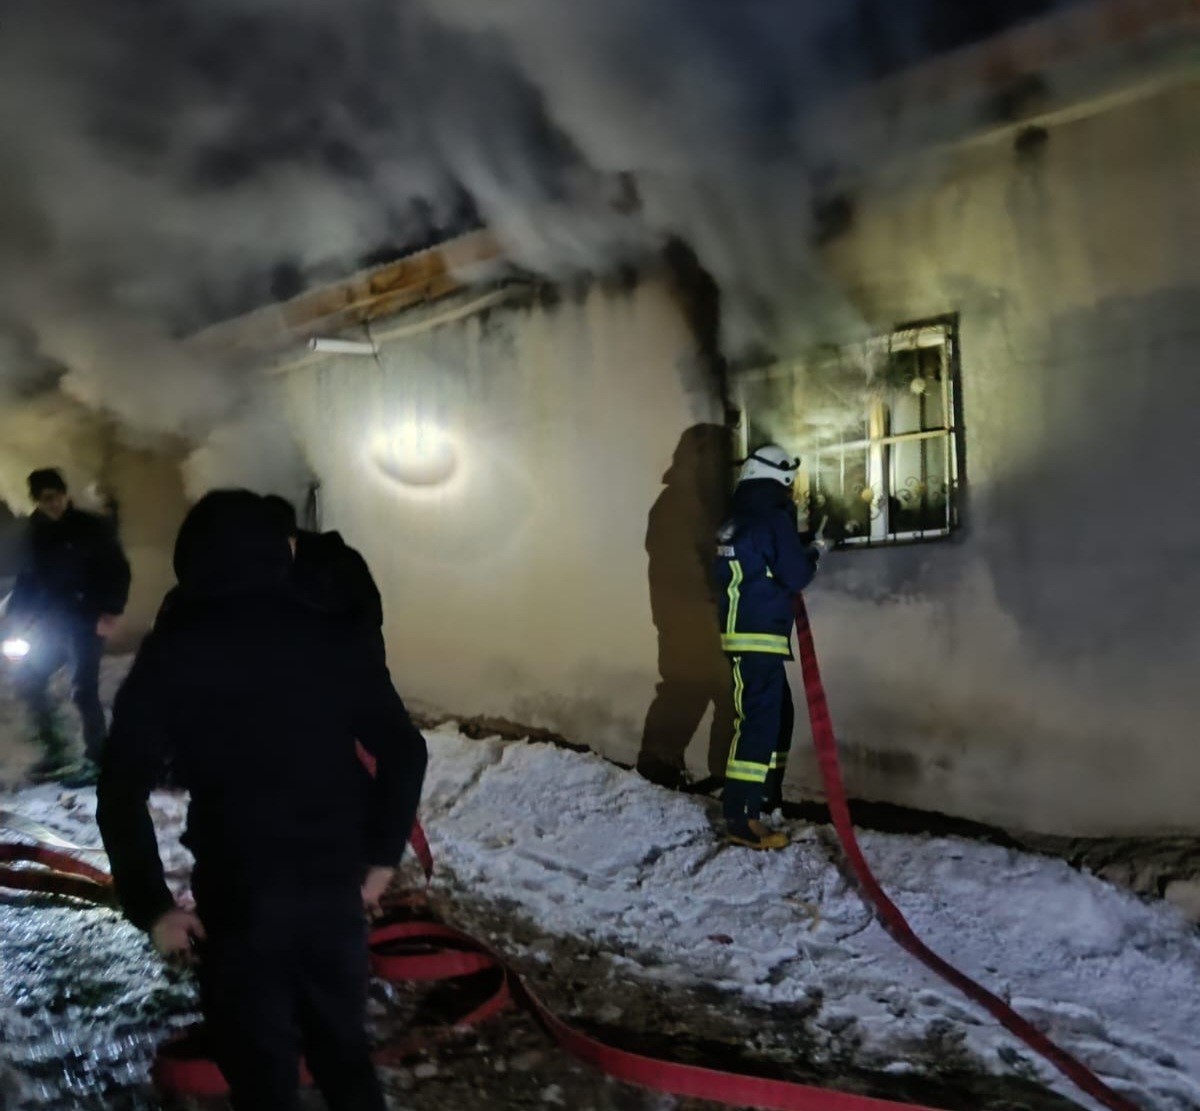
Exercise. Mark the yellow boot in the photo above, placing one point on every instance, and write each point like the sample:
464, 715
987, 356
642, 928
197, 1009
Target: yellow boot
752, 834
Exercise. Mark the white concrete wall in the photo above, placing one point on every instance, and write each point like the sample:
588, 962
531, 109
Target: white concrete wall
1042, 672
518, 588
1038, 672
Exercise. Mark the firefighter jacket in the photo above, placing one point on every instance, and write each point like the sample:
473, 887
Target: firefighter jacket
762, 563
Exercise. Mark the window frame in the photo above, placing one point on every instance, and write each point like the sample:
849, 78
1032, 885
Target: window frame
941, 332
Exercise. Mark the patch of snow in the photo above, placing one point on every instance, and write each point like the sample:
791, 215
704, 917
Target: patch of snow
584, 849
588, 850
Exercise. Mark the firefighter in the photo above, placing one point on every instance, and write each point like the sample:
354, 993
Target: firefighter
72, 586
762, 563
255, 701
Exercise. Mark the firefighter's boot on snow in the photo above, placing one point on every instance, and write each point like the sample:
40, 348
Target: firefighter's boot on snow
752, 834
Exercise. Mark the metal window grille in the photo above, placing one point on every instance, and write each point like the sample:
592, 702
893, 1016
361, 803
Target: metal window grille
879, 431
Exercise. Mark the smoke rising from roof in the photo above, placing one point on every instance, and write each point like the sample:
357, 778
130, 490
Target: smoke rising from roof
168, 165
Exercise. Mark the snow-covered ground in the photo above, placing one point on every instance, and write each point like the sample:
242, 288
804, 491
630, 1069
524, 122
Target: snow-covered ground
579, 849
590, 850
84, 1001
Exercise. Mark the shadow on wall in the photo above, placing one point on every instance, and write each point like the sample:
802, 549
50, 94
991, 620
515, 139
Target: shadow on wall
1009, 676
694, 674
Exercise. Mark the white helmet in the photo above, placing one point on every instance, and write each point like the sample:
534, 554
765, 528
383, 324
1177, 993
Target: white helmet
770, 461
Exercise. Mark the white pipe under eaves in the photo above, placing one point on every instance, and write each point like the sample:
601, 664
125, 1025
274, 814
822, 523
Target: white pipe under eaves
342, 346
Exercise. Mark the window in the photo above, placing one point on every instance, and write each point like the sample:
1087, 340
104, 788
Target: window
878, 431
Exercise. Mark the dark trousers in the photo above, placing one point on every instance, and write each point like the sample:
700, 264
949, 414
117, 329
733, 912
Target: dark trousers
69, 642
283, 977
764, 718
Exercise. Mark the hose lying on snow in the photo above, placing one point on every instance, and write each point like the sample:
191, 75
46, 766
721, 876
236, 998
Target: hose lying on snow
43, 834
429, 950
57, 874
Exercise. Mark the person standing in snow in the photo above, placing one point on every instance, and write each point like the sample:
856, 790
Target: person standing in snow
255, 701
330, 575
72, 585
762, 563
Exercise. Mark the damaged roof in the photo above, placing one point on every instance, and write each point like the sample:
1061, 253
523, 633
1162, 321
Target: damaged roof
992, 52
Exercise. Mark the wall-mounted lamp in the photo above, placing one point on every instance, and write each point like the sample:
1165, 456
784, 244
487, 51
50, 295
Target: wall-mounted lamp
342, 346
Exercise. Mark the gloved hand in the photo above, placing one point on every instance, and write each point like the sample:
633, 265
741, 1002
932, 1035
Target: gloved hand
819, 545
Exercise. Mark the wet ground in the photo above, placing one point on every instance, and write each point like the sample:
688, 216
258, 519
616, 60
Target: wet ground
84, 1002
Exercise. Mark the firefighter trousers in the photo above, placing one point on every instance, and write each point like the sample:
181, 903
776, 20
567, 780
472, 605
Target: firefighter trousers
764, 718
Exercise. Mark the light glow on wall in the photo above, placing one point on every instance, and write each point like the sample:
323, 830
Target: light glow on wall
416, 454
17, 648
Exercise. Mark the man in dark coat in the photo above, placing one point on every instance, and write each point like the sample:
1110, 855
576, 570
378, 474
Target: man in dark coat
72, 586
255, 702
330, 575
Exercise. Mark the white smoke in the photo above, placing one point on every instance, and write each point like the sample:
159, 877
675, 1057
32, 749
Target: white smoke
254, 449
171, 165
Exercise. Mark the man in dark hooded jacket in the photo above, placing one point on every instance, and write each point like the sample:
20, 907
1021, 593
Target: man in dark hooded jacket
762, 564
255, 703
329, 574
72, 585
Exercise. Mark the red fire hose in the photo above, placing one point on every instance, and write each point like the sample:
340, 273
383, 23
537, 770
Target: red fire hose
427, 950
57, 874
889, 914
424, 951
